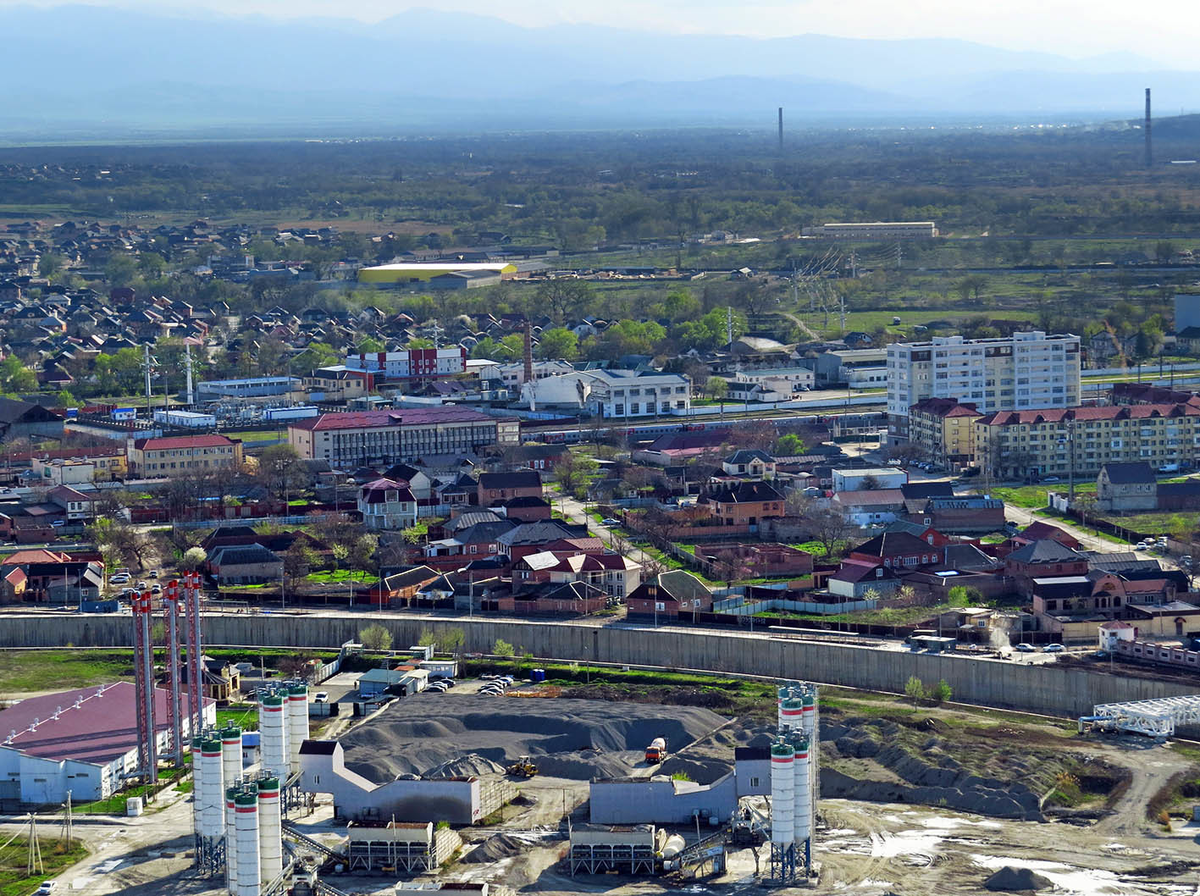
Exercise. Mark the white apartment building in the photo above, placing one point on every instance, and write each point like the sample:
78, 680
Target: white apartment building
1025, 370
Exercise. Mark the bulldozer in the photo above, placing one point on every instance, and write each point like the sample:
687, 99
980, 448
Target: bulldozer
522, 768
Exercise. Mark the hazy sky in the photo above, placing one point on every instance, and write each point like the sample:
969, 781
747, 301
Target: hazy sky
1165, 31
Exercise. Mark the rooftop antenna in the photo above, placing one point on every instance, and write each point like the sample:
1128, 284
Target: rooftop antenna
1149, 152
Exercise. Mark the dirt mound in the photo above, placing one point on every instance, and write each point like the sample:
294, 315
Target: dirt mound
1009, 880
452, 734
493, 849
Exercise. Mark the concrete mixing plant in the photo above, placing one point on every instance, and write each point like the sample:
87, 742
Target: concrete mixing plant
795, 784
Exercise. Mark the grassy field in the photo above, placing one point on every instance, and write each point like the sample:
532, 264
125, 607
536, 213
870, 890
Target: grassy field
1162, 523
244, 716
339, 576
55, 857
1034, 496
51, 670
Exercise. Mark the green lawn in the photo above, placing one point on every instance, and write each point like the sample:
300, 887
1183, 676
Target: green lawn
339, 576
55, 857
1157, 523
50, 670
244, 716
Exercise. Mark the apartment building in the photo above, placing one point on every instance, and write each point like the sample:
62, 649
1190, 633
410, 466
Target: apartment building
393, 436
1064, 441
411, 363
945, 430
172, 455
1025, 370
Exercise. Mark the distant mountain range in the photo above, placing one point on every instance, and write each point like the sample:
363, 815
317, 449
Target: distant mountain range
81, 69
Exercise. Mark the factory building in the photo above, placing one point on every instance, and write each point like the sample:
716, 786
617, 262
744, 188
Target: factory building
663, 800
410, 364
406, 847
457, 800
82, 740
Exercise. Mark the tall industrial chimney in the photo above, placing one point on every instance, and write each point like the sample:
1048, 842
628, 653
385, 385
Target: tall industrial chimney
1149, 152
781, 128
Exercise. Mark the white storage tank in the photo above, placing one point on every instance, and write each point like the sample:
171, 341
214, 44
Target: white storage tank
273, 730
297, 722
803, 788
270, 830
231, 768
245, 801
212, 806
783, 761
197, 785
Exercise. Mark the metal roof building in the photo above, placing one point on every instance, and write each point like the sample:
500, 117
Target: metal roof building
80, 741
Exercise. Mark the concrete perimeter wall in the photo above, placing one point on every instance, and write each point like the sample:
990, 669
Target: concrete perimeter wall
1047, 689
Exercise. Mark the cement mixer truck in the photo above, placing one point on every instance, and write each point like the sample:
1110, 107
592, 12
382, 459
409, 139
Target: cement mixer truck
657, 751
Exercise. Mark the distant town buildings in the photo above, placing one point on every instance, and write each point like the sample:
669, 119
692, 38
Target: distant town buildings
878, 230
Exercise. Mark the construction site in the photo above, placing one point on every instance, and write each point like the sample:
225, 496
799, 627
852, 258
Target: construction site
605, 788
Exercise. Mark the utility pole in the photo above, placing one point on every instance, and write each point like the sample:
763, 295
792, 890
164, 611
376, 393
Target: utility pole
146, 367
68, 830
33, 861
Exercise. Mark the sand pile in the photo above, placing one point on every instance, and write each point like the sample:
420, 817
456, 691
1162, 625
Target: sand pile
469, 734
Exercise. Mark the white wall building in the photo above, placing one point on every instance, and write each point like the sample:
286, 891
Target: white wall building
512, 376
613, 394
853, 480
419, 362
771, 384
82, 740
1025, 370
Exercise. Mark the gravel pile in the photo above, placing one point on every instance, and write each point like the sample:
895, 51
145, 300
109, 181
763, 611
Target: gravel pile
468, 734
493, 849
1014, 880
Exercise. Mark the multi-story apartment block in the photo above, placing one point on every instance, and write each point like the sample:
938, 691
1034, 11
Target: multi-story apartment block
1025, 370
359, 438
1079, 441
945, 430
175, 455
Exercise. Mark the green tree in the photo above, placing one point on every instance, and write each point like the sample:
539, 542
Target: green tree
941, 692
375, 637
281, 469
316, 354
789, 445
368, 344
503, 648
193, 558
558, 343
121, 270
914, 689
574, 471
564, 298
15, 376
49, 265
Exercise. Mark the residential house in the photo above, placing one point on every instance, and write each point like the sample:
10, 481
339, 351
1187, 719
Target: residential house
668, 594
1127, 487
401, 589
79, 508
616, 575
745, 503
1042, 563
862, 580
872, 507
497, 488
572, 598
897, 550
386, 504
749, 463
250, 564
959, 514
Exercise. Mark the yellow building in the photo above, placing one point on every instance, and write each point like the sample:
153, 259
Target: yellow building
945, 430
1079, 441
174, 455
423, 272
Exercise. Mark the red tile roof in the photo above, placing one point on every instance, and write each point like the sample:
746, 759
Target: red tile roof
35, 555
1110, 412
397, 417
95, 724
173, 442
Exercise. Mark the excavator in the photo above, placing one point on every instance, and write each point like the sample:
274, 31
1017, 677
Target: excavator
522, 768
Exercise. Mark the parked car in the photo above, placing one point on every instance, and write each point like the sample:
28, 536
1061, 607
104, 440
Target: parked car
1026, 648
57, 524
152, 574
119, 579
321, 697
609, 521
47, 886
1141, 546
1053, 648
156, 588
1051, 479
